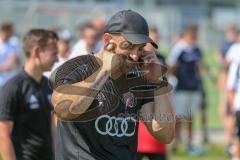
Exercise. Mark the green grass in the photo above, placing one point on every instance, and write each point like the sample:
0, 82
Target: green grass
210, 84
215, 152
211, 90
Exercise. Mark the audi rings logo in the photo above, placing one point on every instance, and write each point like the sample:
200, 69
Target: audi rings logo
116, 126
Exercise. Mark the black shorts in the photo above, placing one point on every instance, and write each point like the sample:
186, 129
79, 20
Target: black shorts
238, 123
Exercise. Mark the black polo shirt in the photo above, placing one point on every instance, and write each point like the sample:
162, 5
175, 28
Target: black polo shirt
26, 102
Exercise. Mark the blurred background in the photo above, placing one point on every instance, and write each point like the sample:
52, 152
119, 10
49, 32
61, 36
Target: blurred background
170, 17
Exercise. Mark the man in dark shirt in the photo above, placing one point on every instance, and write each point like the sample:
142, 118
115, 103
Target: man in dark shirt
97, 103
184, 61
25, 108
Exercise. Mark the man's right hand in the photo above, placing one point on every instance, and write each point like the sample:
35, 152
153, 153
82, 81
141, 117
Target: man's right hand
112, 63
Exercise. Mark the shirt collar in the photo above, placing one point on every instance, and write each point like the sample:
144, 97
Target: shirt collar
30, 78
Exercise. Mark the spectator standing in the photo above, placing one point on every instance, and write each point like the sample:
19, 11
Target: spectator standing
87, 43
183, 62
8, 54
26, 122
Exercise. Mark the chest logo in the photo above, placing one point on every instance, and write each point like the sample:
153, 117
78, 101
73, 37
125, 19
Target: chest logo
100, 98
115, 126
49, 97
129, 100
33, 102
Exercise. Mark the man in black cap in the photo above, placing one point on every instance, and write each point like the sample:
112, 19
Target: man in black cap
99, 98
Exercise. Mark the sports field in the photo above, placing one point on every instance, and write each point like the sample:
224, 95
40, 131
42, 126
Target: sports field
215, 152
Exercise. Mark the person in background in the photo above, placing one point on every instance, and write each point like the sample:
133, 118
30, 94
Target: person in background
225, 109
87, 43
148, 146
230, 39
26, 119
8, 54
233, 52
183, 62
233, 92
63, 50
99, 24
13, 40
233, 61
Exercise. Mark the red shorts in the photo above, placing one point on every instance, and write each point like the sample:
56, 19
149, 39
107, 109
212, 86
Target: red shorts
147, 143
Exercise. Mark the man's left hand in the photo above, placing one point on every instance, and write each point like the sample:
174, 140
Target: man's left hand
154, 70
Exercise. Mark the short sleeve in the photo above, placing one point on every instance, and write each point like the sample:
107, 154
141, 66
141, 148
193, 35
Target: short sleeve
230, 55
8, 102
232, 76
73, 71
174, 55
78, 50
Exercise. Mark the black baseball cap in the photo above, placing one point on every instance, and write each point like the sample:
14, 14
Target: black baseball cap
131, 25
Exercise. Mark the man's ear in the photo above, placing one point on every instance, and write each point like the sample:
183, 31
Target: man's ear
106, 38
35, 52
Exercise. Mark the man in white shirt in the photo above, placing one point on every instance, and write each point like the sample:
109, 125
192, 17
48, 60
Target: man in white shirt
233, 86
63, 50
233, 53
87, 43
227, 115
8, 54
232, 57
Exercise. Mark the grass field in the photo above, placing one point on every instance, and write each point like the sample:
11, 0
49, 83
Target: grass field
211, 90
215, 152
